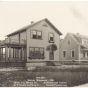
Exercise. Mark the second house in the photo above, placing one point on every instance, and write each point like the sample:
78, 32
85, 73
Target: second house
74, 48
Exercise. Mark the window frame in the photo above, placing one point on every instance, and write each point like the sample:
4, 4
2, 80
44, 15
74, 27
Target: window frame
49, 37
37, 34
63, 53
71, 54
39, 53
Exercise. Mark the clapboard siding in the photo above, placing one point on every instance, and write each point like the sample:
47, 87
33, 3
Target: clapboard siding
16, 37
23, 35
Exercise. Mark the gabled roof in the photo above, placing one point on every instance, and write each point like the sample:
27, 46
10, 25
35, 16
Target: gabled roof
26, 27
78, 38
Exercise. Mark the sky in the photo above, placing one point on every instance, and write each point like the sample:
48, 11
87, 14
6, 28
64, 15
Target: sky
66, 16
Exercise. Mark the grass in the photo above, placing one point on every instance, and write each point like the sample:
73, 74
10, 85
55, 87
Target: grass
72, 75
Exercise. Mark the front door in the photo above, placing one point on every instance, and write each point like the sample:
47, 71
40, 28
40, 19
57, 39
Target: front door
51, 54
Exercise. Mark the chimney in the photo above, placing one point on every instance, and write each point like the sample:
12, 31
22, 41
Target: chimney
32, 22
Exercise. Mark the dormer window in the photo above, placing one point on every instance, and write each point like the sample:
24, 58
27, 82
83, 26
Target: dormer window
51, 37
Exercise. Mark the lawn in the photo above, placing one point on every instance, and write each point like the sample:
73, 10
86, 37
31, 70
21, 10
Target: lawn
73, 75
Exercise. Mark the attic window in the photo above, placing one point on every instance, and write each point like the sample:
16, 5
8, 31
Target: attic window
69, 42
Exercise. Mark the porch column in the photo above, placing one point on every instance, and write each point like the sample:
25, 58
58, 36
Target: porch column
22, 54
0, 54
1, 57
6, 53
9, 53
25, 54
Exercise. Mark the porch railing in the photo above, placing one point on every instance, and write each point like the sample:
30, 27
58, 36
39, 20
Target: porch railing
12, 41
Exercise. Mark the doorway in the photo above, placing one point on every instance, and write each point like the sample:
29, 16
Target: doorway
51, 54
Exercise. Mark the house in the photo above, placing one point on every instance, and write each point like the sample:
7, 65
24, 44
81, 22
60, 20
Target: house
34, 45
74, 47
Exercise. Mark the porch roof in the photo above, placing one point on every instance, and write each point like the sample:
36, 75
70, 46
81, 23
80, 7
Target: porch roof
52, 46
84, 47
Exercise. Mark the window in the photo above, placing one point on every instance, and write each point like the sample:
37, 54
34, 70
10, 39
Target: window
51, 37
64, 53
36, 34
72, 53
83, 54
39, 35
36, 53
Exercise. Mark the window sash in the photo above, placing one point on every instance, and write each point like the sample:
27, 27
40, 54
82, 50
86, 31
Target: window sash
72, 53
64, 53
51, 36
83, 54
37, 52
37, 35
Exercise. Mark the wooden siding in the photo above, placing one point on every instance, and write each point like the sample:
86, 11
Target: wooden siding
23, 35
44, 42
68, 48
15, 37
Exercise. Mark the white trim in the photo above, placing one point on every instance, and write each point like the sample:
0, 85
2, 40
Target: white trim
71, 53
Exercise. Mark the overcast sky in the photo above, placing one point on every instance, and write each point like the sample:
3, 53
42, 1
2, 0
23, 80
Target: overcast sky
66, 16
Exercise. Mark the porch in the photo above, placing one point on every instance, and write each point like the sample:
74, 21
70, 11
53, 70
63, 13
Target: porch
12, 52
84, 53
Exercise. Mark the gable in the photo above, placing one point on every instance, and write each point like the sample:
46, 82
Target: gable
69, 38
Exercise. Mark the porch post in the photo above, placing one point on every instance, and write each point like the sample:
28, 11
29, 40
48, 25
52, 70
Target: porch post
0, 54
6, 53
9, 53
22, 54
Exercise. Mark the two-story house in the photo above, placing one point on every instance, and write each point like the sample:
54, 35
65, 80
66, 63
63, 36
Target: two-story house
74, 47
34, 45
